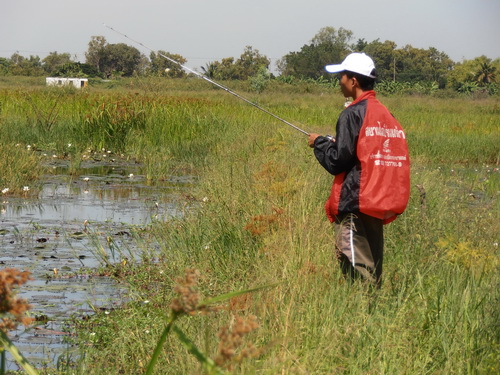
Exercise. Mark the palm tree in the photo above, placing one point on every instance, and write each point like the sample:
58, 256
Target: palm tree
486, 73
209, 69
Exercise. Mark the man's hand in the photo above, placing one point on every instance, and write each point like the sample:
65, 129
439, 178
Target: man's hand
312, 138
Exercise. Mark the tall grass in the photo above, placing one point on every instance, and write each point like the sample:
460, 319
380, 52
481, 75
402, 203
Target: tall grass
258, 218
19, 169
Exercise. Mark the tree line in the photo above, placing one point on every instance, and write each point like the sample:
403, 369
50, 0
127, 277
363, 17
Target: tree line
395, 65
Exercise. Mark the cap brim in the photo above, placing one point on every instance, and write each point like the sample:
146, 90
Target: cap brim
337, 68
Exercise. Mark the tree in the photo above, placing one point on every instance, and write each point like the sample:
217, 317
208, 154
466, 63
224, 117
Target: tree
303, 64
329, 45
360, 45
418, 65
95, 51
479, 71
163, 67
54, 61
250, 62
119, 58
112, 58
4, 66
210, 69
439, 66
330, 35
21, 66
486, 73
225, 69
384, 57
248, 65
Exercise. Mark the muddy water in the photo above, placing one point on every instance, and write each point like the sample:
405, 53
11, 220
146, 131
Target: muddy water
55, 235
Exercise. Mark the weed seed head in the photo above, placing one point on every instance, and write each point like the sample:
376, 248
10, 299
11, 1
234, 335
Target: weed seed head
186, 288
231, 339
12, 309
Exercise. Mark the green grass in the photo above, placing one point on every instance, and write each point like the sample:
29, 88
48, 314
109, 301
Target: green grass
20, 169
258, 219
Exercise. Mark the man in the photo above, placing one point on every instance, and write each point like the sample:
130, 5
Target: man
370, 161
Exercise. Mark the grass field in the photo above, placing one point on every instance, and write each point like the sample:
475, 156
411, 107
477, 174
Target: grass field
260, 221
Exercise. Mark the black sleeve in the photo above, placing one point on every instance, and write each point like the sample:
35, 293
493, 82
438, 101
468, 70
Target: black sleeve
340, 156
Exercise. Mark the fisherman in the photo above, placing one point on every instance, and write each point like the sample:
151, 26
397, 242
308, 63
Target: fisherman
369, 159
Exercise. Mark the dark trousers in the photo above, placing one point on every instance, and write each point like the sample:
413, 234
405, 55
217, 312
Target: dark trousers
359, 246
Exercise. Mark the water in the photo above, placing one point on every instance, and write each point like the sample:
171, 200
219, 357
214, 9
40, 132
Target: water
54, 236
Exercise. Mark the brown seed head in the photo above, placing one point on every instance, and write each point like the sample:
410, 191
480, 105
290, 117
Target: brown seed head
11, 307
231, 339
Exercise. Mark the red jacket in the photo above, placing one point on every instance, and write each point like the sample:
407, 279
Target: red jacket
369, 159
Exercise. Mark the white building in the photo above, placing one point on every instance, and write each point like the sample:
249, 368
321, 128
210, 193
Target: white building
60, 81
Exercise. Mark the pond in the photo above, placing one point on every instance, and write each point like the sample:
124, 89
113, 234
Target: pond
56, 236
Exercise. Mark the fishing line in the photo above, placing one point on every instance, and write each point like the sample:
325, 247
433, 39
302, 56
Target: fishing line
211, 81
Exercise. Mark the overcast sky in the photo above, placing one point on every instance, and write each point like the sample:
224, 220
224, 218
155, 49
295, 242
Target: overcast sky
209, 30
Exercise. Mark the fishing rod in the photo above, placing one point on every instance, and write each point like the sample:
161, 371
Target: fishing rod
211, 81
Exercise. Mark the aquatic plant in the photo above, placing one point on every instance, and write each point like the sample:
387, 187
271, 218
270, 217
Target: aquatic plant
110, 122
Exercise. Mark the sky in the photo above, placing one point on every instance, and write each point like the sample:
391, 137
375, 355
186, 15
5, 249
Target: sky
203, 31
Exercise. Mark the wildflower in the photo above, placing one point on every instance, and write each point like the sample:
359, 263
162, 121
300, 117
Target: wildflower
5, 191
26, 188
131, 175
86, 179
28, 147
54, 156
69, 144
205, 200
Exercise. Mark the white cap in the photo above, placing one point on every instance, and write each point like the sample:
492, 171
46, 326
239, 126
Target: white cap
357, 63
